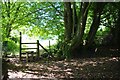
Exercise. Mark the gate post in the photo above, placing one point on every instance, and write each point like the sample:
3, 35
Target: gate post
49, 47
37, 48
20, 45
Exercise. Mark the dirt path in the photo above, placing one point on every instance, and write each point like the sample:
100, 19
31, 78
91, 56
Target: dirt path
88, 68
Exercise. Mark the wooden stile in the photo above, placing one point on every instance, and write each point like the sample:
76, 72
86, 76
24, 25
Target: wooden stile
32, 52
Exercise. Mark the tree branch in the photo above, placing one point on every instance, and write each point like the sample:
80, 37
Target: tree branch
56, 9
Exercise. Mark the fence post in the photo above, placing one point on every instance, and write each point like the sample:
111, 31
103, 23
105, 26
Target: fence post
49, 47
20, 45
37, 48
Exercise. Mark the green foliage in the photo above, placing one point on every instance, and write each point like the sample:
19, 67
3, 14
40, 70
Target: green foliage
11, 46
34, 18
46, 20
42, 19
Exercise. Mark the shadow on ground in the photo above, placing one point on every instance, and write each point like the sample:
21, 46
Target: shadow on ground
85, 68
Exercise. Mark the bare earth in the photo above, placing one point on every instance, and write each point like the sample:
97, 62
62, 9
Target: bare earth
87, 68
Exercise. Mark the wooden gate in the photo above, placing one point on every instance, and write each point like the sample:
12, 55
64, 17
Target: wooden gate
28, 53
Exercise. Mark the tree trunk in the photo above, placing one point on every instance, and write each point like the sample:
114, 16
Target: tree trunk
75, 20
8, 28
117, 32
68, 20
95, 24
74, 26
76, 42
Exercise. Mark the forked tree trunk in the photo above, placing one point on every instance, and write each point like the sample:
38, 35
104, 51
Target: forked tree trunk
74, 26
76, 41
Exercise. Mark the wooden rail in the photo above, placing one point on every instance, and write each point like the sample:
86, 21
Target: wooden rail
27, 48
28, 43
43, 48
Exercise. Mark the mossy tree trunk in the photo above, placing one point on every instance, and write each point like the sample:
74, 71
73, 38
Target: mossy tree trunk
75, 25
